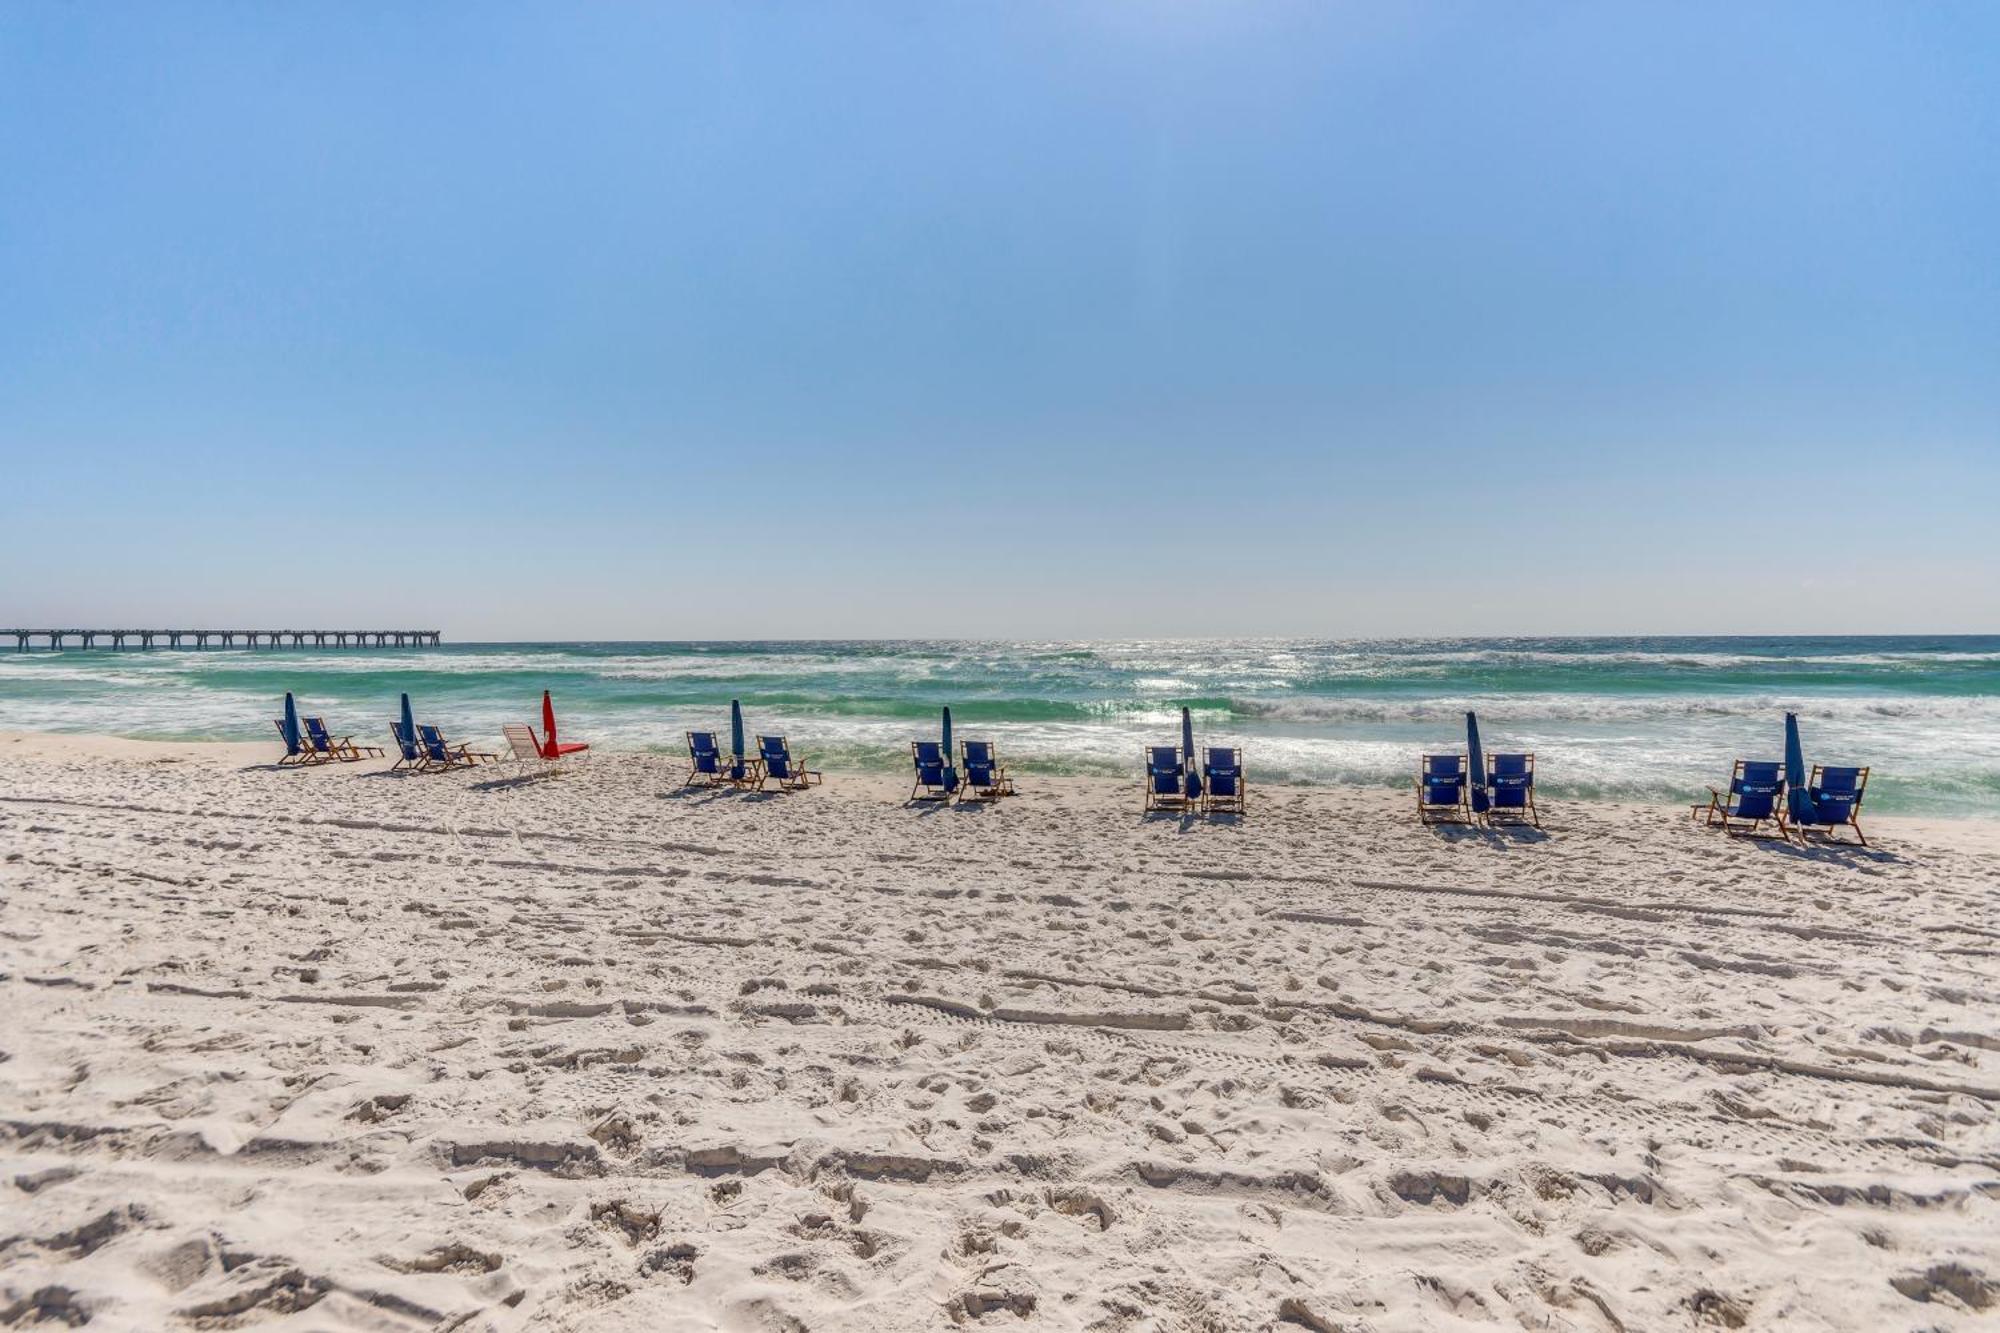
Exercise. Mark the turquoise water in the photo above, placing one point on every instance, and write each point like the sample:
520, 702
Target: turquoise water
1631, 718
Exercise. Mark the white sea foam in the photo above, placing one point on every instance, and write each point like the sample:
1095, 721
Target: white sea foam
1621, 708
1651, 723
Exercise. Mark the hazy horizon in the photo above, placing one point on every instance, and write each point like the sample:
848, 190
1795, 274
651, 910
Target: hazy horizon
1022, 322
451, 641
448, 639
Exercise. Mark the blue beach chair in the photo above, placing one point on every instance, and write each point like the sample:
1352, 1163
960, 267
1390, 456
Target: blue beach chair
343, 749
411, 749
1833, 801
440, 753
775, 760
298, 749
1441, 789
705, 760
986, 777
1756, 794
936, 780
1510, 782
1223, 780
1166, 778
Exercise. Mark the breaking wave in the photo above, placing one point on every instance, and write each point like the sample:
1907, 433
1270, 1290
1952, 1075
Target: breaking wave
1640, 718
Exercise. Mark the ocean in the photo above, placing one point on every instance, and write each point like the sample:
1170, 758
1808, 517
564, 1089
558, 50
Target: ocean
1640, 718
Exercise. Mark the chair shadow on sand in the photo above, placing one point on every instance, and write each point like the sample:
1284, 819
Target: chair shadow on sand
516, 780
308, 768
1827, 853
398, 774
926, 809
1492, 835
1189, 820
704, 795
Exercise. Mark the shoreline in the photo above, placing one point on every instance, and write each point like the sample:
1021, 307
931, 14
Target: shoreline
1972, 830
1632, 720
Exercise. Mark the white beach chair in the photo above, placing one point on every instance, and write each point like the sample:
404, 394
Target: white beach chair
522, 749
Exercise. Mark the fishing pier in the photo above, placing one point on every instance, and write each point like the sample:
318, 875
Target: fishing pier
58, 640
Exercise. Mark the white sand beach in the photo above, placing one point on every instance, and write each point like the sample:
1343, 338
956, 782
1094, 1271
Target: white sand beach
340, 1049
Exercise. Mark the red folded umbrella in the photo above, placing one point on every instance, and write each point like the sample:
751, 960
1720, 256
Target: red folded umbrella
551, 750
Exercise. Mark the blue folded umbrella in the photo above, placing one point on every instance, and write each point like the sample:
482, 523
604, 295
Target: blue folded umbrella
1796, 795
1187, 755
409, 721
291, 724
736, 737
1476, 762
950, 770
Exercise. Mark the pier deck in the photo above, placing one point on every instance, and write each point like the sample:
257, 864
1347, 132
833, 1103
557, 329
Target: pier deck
59, 639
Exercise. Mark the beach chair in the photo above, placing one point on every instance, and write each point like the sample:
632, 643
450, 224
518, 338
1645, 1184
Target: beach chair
1756, 794
440, 753
298, 751
936, 779
1442, 793
1224, 787
411, 748
706, 762
1510, 784
1166, 778
524, 748
775, 763
313, 733
343, 749
986, 777
1834, 797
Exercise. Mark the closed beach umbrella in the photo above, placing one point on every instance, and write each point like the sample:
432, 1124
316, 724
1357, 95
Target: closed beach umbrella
1476, 761
409, 723
1187, 751
291, 725
736, 736
1796, 795
950, 772
548, 725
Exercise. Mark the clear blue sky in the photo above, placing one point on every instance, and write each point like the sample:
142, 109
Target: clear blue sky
805, 319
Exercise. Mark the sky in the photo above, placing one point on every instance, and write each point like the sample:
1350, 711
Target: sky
1001, 319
